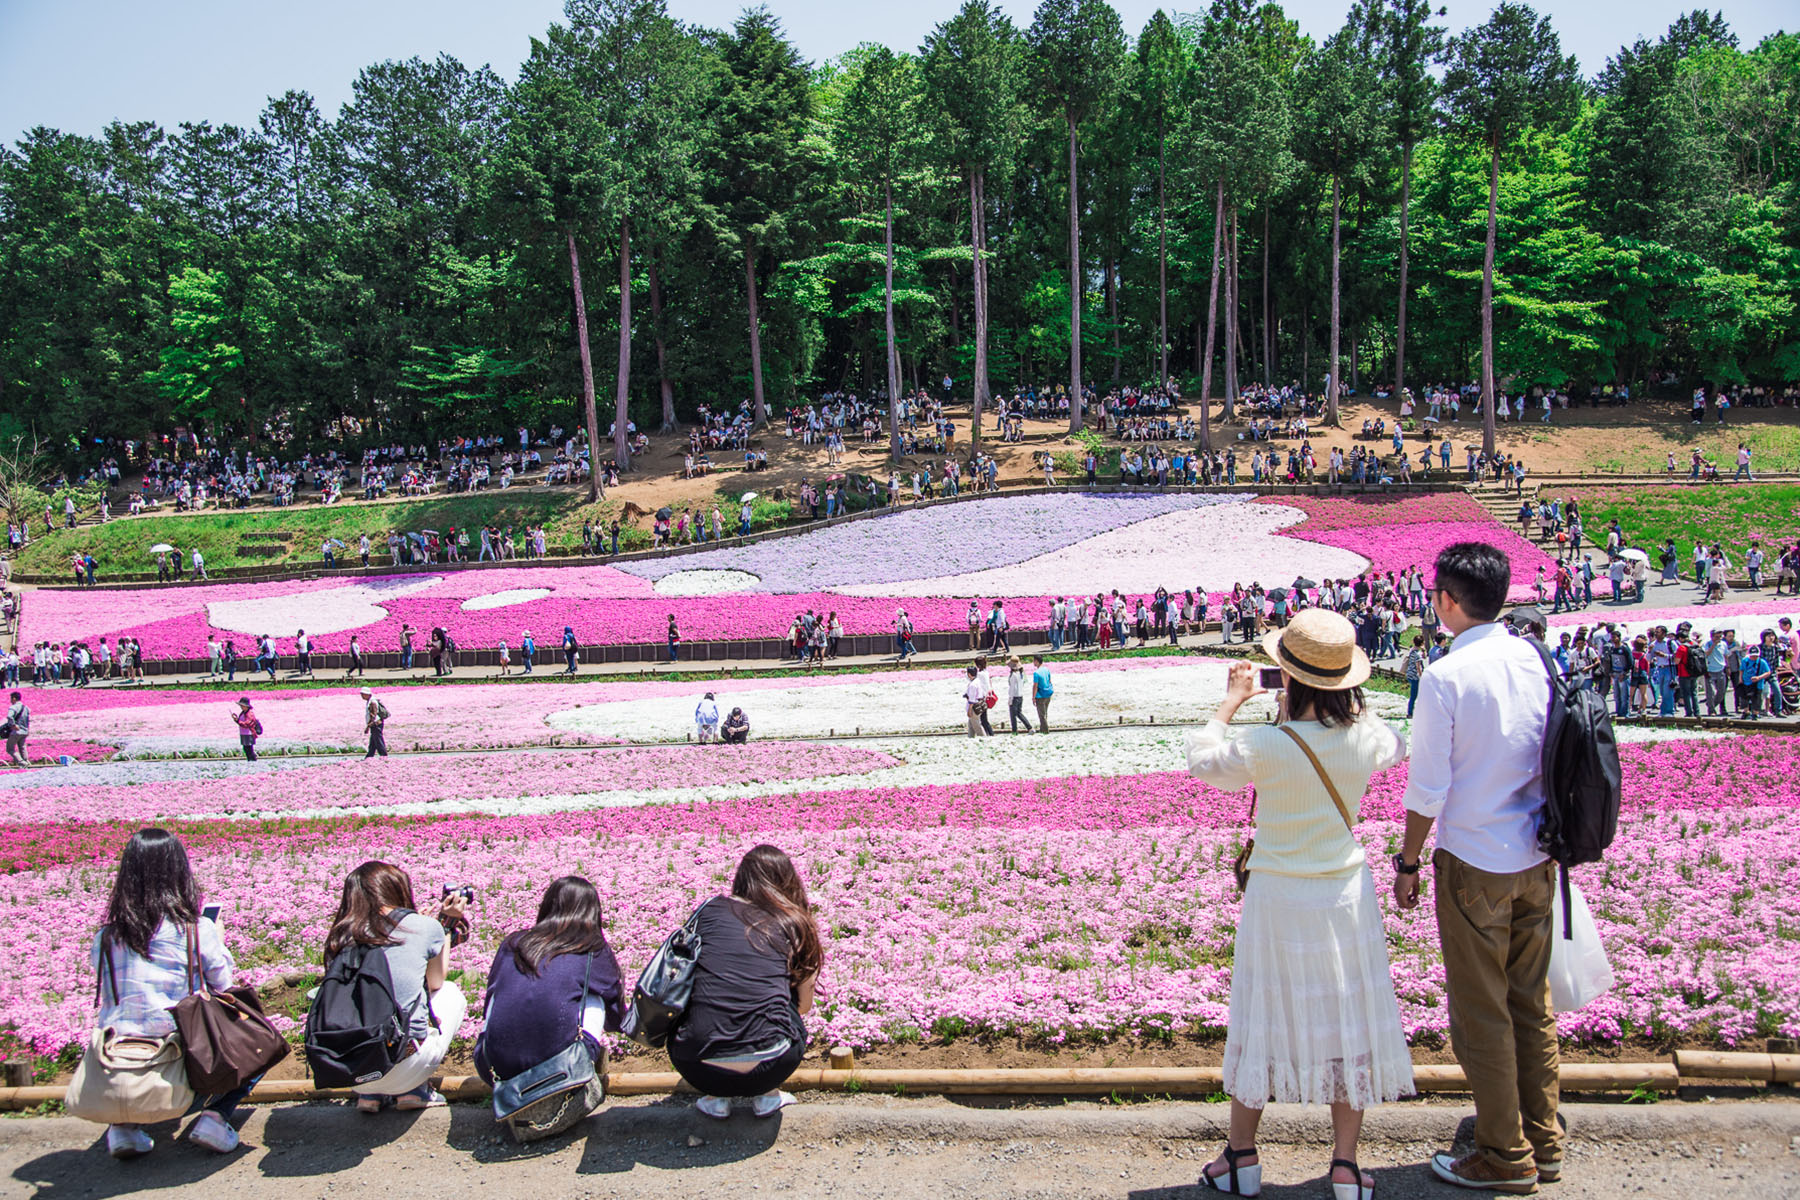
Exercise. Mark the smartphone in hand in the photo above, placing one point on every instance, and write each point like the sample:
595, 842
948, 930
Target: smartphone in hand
1269, 679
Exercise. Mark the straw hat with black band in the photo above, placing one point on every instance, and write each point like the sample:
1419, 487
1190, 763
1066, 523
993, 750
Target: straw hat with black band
1318, 648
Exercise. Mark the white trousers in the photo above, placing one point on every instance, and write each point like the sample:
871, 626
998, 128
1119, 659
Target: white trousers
449, 1006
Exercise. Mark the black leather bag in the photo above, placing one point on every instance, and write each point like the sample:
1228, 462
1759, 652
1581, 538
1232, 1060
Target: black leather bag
661, 997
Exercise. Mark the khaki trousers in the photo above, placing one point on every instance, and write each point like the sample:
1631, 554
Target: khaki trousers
1496, 932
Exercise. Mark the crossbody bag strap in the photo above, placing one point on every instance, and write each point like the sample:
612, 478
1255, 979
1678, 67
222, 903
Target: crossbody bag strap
581, 1004
1323, 777
106, 961
195, 977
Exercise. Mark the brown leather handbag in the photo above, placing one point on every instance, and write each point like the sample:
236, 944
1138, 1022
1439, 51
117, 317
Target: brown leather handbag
228, 1041
1241, 867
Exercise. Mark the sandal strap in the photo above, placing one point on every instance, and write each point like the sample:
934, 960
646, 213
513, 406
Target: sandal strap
1232, 1155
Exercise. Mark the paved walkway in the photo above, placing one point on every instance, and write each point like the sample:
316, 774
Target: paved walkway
882, 1147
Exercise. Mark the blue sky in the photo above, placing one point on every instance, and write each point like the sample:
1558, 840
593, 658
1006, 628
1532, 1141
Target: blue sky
77, 64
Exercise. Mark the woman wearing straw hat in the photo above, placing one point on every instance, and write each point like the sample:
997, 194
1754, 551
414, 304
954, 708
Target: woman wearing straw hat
1313, 1014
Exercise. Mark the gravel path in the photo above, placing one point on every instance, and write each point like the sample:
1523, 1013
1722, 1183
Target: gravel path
920, 1149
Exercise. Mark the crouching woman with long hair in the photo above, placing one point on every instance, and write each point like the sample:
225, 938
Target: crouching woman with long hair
155, 949
377, 911
742, 1034
550, 985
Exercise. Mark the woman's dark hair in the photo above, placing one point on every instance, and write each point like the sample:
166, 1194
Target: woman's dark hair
154, 884
1476, 575
768, 881
1328, 708
568, 922
360, 922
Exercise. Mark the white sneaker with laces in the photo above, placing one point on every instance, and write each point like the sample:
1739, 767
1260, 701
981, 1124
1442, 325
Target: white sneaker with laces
127, 1141
215, 1133
716, 1107
770, 1103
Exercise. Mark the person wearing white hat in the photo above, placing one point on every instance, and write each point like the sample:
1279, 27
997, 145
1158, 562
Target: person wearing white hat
706, 718
1313, 1018
375, 715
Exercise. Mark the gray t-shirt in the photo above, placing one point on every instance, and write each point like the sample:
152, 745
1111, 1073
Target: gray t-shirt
418, 940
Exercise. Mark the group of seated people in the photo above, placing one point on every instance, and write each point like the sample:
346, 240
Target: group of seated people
554, 990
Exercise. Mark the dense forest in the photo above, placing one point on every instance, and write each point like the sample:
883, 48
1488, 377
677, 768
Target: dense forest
674, 217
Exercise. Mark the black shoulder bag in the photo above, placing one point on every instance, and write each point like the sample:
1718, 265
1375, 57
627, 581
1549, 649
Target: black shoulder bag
661, 997
569, 1070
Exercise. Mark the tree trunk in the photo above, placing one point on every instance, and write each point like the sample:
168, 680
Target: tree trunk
759, 411
1212, 321
893, 352
1400, 324
622, 399
1268, 336
1075, 417
1112, 314
978, 247
1162, 259
1231, 307
665, 385
1487, 305
1331, 363
587, 371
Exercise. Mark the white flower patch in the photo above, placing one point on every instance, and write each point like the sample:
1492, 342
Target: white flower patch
706, 581
503, 599
1212, 547
1182, 693
331, 610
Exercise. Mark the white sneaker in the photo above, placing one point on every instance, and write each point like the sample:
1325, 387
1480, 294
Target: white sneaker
214, 1132
127, 1141
770, 1103
716, 1107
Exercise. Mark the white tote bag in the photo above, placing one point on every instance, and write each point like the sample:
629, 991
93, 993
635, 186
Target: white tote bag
1579, 972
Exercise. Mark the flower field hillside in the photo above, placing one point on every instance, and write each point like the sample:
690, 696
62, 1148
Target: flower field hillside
1025, 550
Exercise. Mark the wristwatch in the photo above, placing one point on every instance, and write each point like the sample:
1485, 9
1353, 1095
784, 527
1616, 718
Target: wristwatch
1401, 868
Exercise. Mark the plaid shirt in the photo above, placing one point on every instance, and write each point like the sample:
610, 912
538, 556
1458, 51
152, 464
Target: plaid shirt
150, 986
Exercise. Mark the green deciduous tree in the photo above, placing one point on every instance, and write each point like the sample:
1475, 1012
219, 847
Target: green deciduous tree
1505, 75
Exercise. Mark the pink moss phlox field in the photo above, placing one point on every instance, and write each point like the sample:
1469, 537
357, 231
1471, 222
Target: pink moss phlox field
1059, 909
50, 749
1327, 513
442, 779
1394, 532
608, 606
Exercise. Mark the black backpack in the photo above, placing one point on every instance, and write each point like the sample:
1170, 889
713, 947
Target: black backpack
356, 1030
1583, 783
1696, 662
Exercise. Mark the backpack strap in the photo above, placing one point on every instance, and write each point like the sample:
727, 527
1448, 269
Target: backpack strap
1325, 779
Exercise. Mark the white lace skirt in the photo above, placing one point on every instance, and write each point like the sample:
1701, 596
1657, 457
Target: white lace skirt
1313, 1014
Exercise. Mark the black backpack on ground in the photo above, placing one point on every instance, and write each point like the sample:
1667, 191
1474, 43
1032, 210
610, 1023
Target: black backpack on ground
356, 1030
1583, 782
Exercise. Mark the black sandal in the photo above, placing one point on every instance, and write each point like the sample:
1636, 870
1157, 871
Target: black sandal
1350, 1191
1251, 1175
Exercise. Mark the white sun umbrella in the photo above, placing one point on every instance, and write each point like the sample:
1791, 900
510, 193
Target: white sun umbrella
1634, 553
749, 496
162, 548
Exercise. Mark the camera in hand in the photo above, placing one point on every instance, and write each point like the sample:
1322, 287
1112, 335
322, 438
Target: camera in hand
1269, 679
465, 890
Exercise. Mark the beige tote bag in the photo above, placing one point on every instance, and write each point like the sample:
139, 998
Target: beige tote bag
129, 1080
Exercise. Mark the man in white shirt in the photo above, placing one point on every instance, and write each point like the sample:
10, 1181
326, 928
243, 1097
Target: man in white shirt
1476, 773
